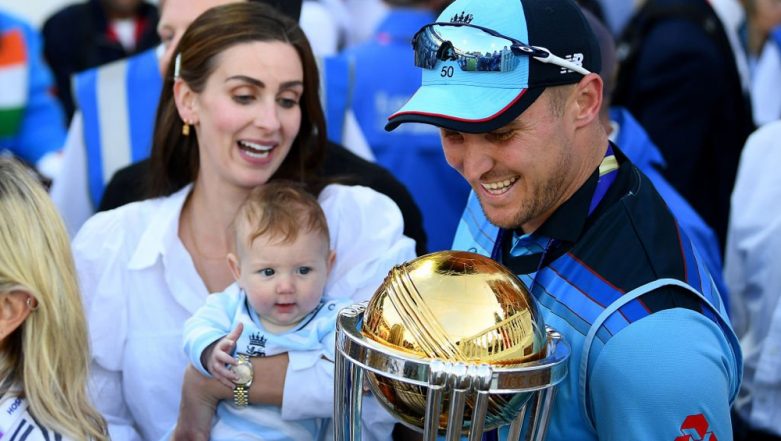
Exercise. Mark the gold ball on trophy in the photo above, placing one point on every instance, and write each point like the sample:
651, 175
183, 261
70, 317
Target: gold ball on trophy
456, 307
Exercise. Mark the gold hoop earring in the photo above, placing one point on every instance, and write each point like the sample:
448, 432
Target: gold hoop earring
186, 129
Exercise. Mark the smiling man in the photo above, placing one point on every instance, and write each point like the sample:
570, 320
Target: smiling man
512, 85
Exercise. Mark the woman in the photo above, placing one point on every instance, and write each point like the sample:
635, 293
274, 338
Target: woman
43, 335
239, 108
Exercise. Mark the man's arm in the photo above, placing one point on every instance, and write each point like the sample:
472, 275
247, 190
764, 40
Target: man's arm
657, 376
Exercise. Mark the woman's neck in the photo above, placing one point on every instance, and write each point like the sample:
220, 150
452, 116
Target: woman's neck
204, 230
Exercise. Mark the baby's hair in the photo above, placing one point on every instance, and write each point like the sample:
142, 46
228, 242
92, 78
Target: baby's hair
281, 209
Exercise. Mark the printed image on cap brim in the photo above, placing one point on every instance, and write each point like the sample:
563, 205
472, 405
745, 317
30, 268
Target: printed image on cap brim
472, 82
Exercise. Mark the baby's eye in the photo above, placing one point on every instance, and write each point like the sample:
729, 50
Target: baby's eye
304, 270
268, 272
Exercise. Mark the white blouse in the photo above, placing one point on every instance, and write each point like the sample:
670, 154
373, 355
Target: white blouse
139, 285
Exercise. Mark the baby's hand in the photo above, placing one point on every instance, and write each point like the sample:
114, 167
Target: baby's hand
220, 356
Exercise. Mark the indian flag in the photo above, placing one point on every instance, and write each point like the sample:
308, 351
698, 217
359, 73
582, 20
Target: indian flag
13, 77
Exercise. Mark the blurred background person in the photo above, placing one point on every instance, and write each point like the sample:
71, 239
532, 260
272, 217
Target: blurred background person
762, 39
752, 263
32, 125
43, 334
95, 32
384, 80
683, 75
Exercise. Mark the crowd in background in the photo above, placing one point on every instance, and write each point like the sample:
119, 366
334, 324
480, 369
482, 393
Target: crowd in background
694, 94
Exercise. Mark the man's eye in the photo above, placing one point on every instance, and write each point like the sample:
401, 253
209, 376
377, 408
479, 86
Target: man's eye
452, 135
502, 136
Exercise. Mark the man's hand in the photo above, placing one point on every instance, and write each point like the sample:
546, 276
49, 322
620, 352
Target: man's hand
218, 355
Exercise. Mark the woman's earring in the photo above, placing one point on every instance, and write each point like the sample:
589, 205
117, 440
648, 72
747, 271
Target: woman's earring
32, 303
186, 129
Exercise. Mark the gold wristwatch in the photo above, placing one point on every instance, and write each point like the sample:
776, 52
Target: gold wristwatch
243, 370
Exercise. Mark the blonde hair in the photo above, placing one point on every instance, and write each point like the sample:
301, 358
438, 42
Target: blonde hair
48, 355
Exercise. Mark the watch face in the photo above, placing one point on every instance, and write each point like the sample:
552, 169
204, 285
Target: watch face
244, 371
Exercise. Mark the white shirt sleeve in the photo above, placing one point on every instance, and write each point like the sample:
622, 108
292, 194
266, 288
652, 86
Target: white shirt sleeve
366, 234
70, 191
98, 253
765, 93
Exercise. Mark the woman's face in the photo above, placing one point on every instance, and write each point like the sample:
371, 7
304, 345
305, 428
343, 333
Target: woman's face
248, 114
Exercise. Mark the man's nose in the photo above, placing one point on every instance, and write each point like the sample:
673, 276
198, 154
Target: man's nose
476, 162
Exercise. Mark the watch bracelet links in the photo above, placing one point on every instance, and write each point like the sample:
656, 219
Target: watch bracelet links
241, 392
240, 396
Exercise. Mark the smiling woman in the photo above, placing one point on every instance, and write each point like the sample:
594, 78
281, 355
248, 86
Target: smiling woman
239, 108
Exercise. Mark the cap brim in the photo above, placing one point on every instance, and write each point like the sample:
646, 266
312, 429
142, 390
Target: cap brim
464, 108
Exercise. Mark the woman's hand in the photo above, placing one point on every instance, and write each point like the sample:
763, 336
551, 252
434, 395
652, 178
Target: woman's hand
200, 396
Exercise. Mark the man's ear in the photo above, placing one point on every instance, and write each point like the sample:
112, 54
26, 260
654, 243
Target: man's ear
588, 99
186, 102
233, 264
15, 306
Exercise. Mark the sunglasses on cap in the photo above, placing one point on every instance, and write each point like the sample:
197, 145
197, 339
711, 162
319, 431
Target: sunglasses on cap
484, 51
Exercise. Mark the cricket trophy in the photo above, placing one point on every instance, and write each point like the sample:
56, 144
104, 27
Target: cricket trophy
450, 344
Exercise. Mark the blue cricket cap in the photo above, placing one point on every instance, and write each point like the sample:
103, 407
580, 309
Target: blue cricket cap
486, 61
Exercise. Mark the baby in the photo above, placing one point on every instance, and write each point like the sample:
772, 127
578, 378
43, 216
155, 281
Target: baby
281, 265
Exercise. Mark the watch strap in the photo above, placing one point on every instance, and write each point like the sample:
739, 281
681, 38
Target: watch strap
241, 391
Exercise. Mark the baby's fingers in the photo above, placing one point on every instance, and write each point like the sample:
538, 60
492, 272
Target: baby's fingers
224, 358
225, 376
236, 333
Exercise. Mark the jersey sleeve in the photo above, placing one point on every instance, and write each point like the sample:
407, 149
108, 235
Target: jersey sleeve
670, 374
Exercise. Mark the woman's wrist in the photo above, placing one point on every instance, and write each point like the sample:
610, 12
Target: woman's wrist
269, 383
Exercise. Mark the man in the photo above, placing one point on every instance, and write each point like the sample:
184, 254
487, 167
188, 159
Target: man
85, 35
653, 354
114, 127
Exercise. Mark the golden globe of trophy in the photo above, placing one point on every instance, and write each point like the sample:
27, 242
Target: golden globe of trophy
451, 343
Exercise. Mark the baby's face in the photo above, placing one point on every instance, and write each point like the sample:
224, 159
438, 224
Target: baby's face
284, 281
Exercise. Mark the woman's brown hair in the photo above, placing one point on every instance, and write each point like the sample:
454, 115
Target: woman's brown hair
174, 160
